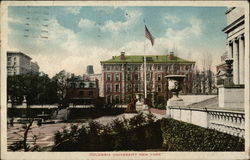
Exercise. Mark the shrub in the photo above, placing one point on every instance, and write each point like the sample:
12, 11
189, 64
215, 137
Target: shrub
138, 133
181, 136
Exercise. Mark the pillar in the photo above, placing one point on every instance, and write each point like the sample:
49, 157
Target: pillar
241, 59
229, 49
236, 61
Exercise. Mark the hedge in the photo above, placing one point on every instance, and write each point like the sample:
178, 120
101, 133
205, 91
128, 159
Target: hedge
182, 136
138, 133
143, 132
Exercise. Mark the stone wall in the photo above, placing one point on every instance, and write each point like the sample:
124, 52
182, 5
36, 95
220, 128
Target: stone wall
231, 97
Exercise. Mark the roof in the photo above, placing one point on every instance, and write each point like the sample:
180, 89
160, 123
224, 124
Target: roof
150, 59
18, 53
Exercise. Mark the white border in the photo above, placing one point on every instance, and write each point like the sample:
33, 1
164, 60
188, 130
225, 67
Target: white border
84, 155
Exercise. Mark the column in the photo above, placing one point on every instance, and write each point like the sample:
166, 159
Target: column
229, 49
236, 61
241, 59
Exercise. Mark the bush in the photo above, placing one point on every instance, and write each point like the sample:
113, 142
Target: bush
143, 132
181, 136
138, 133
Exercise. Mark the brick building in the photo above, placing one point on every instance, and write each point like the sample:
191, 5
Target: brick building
82, 92
123, 76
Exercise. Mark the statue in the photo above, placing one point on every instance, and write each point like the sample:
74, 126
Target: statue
131, 106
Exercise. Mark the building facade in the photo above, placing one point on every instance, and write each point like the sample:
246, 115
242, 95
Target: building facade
34, 67
19, 63
82, 92
123, 76
235, 31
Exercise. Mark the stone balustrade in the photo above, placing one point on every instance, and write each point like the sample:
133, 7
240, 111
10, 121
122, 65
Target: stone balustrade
230, 122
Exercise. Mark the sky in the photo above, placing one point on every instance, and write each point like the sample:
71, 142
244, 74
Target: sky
70, 38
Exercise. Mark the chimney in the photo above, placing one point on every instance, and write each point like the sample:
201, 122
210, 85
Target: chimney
171, 56
122, 55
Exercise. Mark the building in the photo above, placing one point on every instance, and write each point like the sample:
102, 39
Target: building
221, 70
231, 94
82, 92
235, 31
34, 67
19, 63
123, 76
91, 76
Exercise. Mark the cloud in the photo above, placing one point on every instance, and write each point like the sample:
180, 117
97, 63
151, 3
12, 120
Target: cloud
73, 10
171, 18
194, 30
132, 16
14, 20
86, 23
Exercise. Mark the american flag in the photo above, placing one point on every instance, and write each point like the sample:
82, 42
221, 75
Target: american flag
149, 36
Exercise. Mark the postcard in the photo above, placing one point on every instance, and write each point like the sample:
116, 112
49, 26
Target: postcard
125, 80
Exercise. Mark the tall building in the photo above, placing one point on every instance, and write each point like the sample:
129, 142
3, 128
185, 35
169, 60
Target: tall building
123, 76
231, 95
235, 31
19, 63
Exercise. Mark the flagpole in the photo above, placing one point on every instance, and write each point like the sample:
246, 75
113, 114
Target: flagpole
145, 74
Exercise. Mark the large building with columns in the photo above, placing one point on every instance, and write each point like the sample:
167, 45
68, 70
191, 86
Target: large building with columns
231, 95
123, 76
235, 30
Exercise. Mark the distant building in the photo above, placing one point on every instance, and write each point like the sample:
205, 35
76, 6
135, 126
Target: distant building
34, 67
82, 92
123, 76
19, 63
90, 70
91, 76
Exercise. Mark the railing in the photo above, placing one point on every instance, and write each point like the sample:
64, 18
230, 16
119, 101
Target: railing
231, 122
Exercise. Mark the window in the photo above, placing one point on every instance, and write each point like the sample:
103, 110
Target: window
9, 59
159, 67
117, 88
108, 88
14, 58
82, 85
136, 87
159, 77
117, 76
117, 68
91, 85
108, 77
91, 93
117, 99
148, 76
159, 88
108, 68
136, 76
81, 93
73, 85
128, 77
128, 68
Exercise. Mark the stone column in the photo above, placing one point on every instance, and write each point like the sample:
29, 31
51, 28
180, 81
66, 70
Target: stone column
229, 49
241, 59
236, 62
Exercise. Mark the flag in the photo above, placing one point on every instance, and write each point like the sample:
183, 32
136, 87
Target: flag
149, 36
